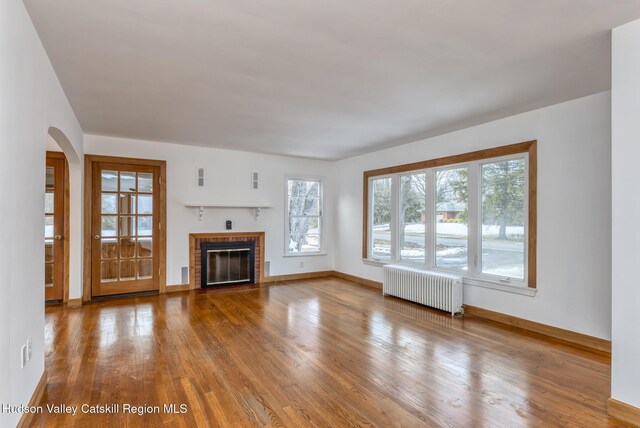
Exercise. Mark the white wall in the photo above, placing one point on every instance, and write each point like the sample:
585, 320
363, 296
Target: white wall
31, 100
574, 240
625, 105
228, 179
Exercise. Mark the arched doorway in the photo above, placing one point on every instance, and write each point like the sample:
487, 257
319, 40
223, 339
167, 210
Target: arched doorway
63, 215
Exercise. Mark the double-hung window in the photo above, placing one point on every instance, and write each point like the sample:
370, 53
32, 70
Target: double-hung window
304, 216
472, 213
380, 218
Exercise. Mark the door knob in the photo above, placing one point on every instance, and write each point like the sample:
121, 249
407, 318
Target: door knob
58, 237
96, 237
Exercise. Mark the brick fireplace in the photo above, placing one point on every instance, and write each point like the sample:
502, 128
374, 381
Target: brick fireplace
195, 252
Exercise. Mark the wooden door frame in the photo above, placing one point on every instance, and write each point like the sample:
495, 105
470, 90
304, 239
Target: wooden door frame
66, 223
89, 161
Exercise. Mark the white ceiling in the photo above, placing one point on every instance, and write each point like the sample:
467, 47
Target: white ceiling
322, 79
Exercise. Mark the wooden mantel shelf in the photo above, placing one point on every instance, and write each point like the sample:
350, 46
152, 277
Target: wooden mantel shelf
201, 206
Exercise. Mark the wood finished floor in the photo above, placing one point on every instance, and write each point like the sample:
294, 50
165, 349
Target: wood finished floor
322, 352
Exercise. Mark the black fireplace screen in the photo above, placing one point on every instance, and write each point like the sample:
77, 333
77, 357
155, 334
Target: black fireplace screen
227, 263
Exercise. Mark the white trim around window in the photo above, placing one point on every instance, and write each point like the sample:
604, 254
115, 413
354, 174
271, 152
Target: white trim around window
307, 216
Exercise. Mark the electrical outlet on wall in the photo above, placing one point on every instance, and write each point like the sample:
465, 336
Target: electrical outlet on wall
301, 264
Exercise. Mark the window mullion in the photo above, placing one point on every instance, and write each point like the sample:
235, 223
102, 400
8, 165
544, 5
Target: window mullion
430, 218
474, 220
395, 218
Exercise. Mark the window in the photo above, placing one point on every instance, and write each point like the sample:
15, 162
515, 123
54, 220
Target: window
381, 218
412, 217
503, 209
304, 216
472, 213
452, 218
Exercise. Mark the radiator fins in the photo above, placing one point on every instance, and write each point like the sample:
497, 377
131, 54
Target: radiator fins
437, 290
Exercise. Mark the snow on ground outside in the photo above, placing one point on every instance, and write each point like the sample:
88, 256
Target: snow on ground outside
459, 229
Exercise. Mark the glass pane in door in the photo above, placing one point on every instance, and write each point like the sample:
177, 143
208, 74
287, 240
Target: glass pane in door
127, 226
145, 227
145, 204
109, 203
48, 250
109, 248
48, 274
109, 225
127, 270
144, 247
127, 181
109, 181
108, 271
128, 248
145, 182
48, 226
145, 267
127, 203
48, 202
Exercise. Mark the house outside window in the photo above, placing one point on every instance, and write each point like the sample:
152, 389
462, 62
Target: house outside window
472, 214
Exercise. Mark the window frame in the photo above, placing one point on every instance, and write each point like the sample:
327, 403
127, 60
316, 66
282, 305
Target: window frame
480, 274
392, 223
473, 161
320, 216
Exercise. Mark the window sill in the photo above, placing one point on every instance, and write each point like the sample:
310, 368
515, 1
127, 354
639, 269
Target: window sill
374, 262
304, 254
476, 282
497, 285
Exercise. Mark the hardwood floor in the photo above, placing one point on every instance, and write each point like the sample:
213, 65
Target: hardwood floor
323, 352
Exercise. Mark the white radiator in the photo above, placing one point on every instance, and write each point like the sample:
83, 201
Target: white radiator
438, 290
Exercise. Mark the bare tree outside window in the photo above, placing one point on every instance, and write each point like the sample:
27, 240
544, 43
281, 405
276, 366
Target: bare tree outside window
381, 232
304, 212
412, 217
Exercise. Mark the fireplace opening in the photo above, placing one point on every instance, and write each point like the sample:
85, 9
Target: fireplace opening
227, 263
